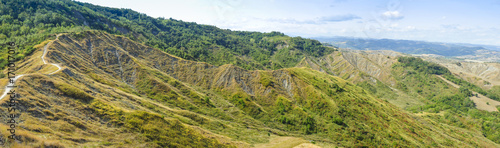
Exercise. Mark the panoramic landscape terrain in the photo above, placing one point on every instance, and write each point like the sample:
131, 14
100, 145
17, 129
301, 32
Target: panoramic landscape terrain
84, 75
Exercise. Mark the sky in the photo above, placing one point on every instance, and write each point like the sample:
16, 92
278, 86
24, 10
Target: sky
452, 21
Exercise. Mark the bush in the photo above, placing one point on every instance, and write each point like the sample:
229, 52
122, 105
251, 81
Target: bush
338, 121
283, 105
265, 80
309, 125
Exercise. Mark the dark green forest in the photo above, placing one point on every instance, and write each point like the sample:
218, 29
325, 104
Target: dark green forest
30, 22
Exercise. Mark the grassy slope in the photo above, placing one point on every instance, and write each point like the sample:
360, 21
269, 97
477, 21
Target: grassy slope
131, 85
410, 88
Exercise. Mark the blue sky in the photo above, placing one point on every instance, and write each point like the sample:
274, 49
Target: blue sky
458, 21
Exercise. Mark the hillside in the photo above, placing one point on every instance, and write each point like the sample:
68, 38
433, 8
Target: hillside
414, 85
369, 69
31, 22
122, 88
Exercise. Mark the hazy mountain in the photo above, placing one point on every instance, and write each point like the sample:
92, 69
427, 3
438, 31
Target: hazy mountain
489, 47
464, 51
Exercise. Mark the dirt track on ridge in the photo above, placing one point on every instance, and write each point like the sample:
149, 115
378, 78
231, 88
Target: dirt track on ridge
9, 87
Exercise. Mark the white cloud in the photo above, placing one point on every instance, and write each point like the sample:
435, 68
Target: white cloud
320, 20
392, 15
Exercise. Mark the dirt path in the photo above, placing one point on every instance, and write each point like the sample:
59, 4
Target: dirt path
9, 86
286, 142
482, 102
307, 145
45, 52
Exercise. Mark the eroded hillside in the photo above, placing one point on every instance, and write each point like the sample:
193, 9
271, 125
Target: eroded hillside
369, 69
115, 92
484, 74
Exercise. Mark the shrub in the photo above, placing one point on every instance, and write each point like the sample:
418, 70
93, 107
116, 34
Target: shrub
283, 105
338, 121
265, 80
309, 125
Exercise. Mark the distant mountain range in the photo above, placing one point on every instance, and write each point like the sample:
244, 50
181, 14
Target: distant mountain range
489, 47
458, 50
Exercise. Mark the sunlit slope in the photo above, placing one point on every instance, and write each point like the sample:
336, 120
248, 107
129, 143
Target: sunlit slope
115, 92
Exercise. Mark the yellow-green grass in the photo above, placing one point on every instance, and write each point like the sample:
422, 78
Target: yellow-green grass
157, 97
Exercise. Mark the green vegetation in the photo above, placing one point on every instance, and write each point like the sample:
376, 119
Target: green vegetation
266, 80
417, 78
28, 23
242, 100
423, 66
380, 90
